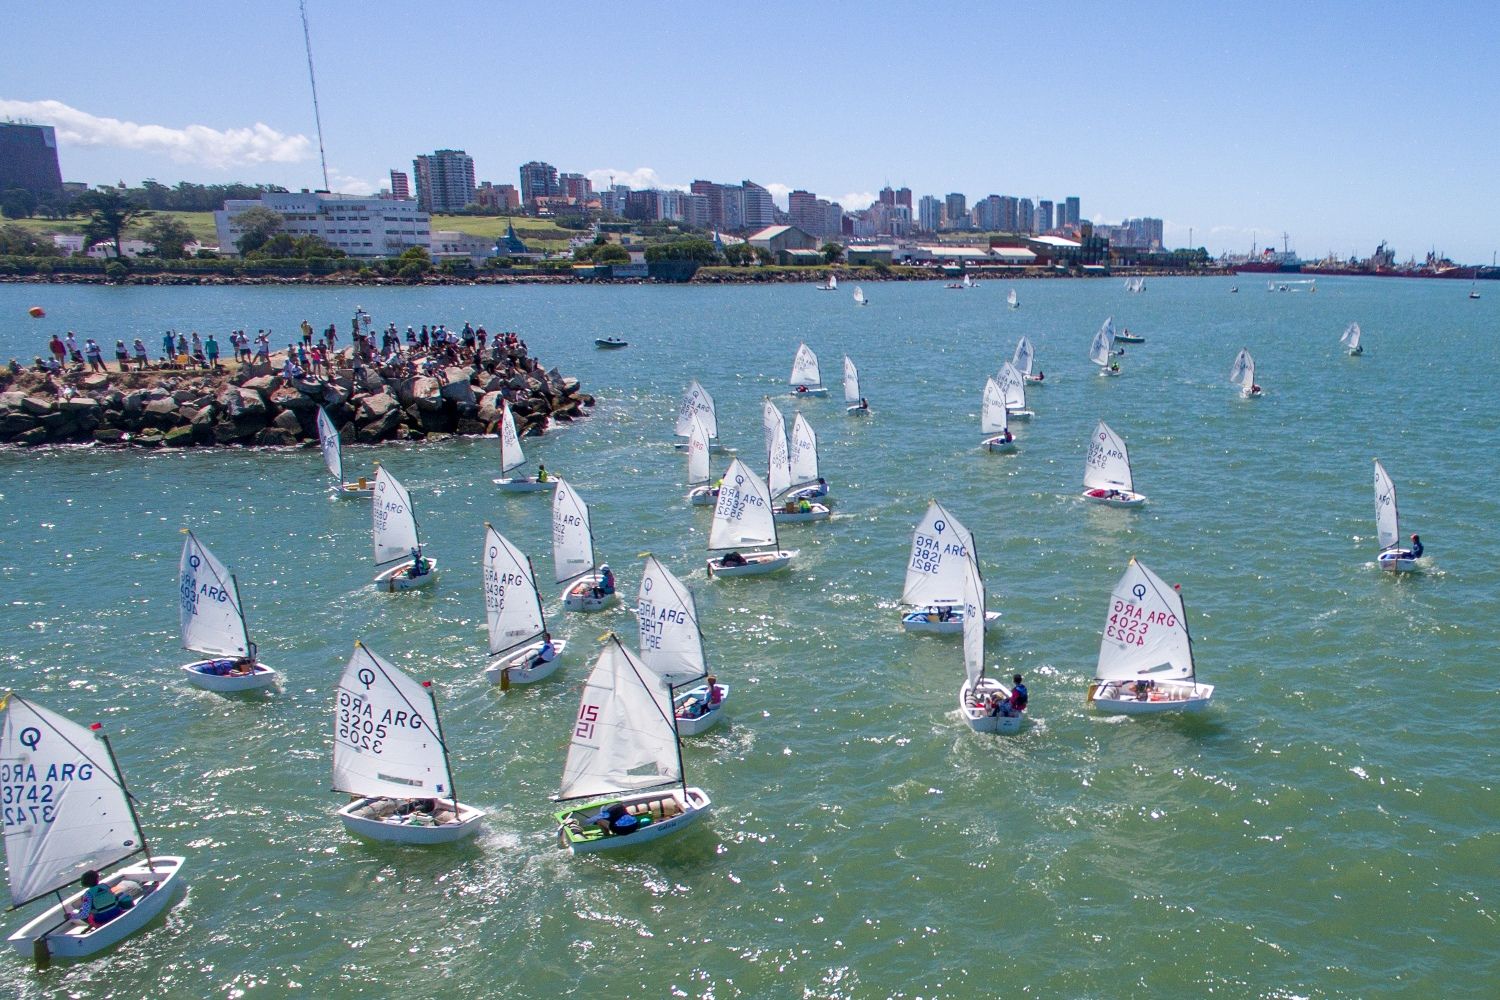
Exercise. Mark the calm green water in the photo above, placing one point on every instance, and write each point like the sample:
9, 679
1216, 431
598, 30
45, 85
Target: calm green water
1328, 829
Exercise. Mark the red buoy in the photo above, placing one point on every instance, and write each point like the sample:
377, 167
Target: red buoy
37, 312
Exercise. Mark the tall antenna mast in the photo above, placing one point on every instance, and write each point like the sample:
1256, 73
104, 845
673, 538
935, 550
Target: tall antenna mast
317, 117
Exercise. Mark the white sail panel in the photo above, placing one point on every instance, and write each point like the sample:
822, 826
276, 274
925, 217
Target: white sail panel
384, 740
328, 441
859, 295
1145, 631
670, 641
804, 451
697, 452
513, 609
572, 535
1387, 523
974, 612
624, 737
395, 523
742, 515
1024, 356
778, 461
1099, 347
851, 382
1350, 339
992, 415
65, 806
1242, 372
511, 454
211, 620
805, 367
1014, 387
1108, 464
940, 546
1012, 299
697, 402
833, 282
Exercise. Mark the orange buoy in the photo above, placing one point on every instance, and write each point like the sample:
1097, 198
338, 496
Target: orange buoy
37, 312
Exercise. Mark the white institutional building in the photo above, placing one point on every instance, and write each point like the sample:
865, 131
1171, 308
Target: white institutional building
359, 225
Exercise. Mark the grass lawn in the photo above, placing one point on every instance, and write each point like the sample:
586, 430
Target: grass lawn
201, 223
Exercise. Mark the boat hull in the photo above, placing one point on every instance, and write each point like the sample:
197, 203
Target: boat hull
817, 512
373, 828
1129, 338
857, 411
1124, 499
756, 563
516, 664
1034, 379
811, 491
999, 445
1397, 561
1109, 372
926, 622
1116, 698
692, 725
395, 580
610, 345
810, 390
75, 940
579, 595
703, 496
524, 484
971, 705
354, 491
691, 806
260, 677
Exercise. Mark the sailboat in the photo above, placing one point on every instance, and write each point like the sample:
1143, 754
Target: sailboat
1099, 349
1473, 289
213, 623
1023, 359
702, 493
1350, 340
1014, 387
68, 812
978, 691
1388, 526
805, 376
1106, 471
514, 616
1242, 374
573, 554
859, 296
624, 766
854, 404
940, 546
396, 538
671, 645
390, 756
787, 491
696, 402
511, 457
333, 458
831, 285
743, 518
992, 419
1012, 299
807, 482
1146, 653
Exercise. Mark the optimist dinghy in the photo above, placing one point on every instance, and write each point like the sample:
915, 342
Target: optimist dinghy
333, 458
397, 542
940, 546
511, 457
212, 622
983, 701
1106, 471
514, 617
1146, 654
588, 584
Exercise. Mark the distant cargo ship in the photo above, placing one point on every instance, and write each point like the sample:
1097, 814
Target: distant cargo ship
1269, 261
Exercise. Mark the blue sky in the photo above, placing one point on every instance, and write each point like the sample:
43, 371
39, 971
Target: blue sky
1340, 123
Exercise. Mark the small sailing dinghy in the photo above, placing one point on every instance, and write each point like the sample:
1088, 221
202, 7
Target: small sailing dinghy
1099, 349
793, 496
940, 546
1350, 340
333, 458
390, 756
702, 493
514, 616
854, 404
397, 540
743, 519
1242, 374
511, 457
671, 645
993, 419
696, 402
1012, 299
1023, 358
624, 766
1393, 556
213, 623
859, 296
587, 584
831, 285
1106, 471
982, 700
1146, 654
806, 380
68, 812
1014, 388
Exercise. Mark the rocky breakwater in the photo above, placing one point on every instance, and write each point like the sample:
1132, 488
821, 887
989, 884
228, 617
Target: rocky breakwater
177, 409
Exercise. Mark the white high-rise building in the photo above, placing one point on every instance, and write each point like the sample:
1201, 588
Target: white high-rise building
359, 225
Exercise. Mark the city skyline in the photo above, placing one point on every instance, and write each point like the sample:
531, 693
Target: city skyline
1356, 127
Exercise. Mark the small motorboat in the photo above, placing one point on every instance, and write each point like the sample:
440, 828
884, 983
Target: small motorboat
610, 343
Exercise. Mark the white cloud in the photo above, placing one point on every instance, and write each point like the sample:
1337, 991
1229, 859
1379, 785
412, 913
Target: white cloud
349, 184
857, 200
639, 179
198, 144
779, 194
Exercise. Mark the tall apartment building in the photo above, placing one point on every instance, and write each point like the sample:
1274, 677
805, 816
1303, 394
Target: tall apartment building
497, 197
400, 187
1009, 212
445, 180
987, 213
695, 210
903, 197
929, 214
538, 180
1043, 216
1025, 216
802, 208
760, 210
575, 186
28, 158
360, 226
956, 211
1070, 209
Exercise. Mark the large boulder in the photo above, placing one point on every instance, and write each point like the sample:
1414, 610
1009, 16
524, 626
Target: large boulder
238, 403
12, 399
287, 398
178, 437
376, 407
457, 388
109, 435
35, 436
14, 424
382, 426
94, 382
274, 437
38, 405
287, 420
231, 432
491, 406
426, 393
263, 384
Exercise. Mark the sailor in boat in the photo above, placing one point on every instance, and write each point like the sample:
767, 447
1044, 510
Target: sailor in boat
101, 903
732, 559
701, 705
231, 668
863, 404
1255, 390
1114, 366
546, 654
541, 473
606, 584
801, 388
418, 565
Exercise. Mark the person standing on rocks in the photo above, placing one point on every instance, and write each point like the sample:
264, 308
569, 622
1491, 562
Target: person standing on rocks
122, 356
307, 334
95, 354
58, 348
142, 360
73, 352
211, 348
167, 343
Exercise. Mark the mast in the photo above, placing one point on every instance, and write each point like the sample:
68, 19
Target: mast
541, 608
98, 729
443, 742
240, 607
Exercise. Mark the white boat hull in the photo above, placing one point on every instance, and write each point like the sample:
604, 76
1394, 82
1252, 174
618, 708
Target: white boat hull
354, 491
1118, 698
691, 806
810, 390
1124, 498
395, 579
857, 411
1109, 372
1035, 379
756, 563
524, 484
261, 676
703, 496
971, 705
397, 830
579, 595
924, 621
1019, 414
817, 512
517, 664
1356, 352
1397, 561
77, 940
999, 445
692, 725
1251, 393
812, 491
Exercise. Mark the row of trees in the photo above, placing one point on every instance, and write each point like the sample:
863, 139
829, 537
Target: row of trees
19, 203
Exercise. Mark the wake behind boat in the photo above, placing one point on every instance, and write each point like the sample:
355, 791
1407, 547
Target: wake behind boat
1145, 653
212, 622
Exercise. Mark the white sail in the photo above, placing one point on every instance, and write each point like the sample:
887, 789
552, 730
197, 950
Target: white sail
670, 641
511, 455
992, 415
1350, 339
1024, 356
624, 737
572, 535
395, 523
1242, 373
1099, 347
1014, 387
211, 620
513, 609
1387, 523
697, 452
1108, 464
384, 738
974, 623
940, 546
833, 282
328, 441
859, 295
805, 367
697, 402
778, 460
1012, 299
1145, 632
742, 515
968, 282
851, 381
804, 451
66, 810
